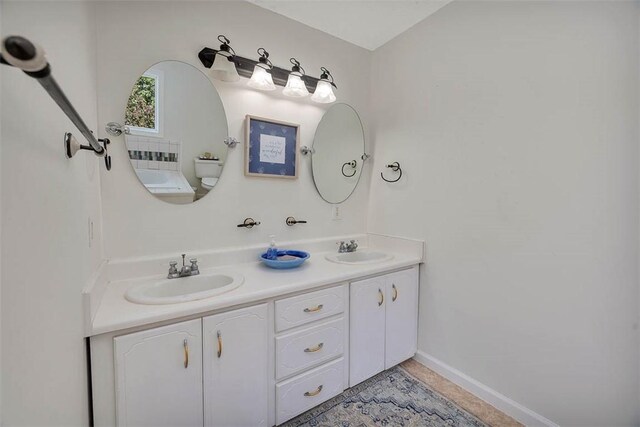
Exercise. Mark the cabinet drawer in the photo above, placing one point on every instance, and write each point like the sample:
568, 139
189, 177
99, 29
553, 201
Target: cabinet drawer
301, 309
300, 350
310, 389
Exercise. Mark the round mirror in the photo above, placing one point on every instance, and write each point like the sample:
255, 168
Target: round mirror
338, 147
177, 130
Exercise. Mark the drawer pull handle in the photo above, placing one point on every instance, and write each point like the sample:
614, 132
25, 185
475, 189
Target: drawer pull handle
314, 349
219, 344
185, 345
314, 309
314, 392
395, 293
381, 300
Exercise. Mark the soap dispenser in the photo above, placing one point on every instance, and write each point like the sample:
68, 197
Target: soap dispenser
272, 251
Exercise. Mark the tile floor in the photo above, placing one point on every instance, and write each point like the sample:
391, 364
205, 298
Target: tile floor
459, 396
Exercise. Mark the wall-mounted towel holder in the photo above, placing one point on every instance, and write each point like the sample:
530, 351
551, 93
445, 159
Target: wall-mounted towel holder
21, 53
352, 164
72, 146
395, 166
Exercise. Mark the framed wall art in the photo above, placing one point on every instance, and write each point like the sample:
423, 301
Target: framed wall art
271, 149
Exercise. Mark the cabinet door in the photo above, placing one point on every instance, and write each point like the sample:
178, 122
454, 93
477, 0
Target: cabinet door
402, 316
367, 302
159, 376
236, 367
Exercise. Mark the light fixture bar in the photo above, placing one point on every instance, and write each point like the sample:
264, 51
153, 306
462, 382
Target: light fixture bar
245, 68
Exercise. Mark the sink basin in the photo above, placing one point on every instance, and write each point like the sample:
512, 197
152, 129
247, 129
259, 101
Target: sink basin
191, 288
359, 257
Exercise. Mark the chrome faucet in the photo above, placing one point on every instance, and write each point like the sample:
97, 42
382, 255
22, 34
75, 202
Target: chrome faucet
185, 271
348, 247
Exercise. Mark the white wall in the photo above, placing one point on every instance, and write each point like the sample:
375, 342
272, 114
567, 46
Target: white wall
516, 125
137, 224
46, 204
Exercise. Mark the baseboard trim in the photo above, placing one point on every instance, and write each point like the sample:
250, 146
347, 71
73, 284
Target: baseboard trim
513, 409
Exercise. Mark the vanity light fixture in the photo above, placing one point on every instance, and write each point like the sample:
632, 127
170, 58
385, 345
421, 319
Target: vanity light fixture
264, 75
224, 67
324, 91
295, 85
261, 78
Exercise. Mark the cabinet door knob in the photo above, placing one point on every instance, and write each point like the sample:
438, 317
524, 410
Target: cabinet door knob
314, 392
395, 293
314, 349
381, 300
314, 309
185, 345
219, 344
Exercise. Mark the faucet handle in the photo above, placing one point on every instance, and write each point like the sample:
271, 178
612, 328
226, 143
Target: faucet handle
173, 271
249, 223
194, 266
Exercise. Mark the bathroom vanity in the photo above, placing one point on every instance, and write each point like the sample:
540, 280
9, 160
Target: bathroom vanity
240, 344
260, 354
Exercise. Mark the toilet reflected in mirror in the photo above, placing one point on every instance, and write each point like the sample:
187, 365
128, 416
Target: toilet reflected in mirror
177, 129
208, 170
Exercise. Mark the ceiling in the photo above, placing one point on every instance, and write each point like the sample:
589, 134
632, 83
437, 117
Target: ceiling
365, 23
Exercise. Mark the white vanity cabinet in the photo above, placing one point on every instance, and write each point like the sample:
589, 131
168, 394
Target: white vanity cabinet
257, 365
383, 324
164, 375
235, 362
159, 376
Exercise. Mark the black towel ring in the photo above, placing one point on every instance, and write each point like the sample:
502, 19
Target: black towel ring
352, 164
395, 166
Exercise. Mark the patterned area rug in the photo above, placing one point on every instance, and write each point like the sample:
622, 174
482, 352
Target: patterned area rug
391, 398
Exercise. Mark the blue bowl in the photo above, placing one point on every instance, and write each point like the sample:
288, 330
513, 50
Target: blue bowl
300, 257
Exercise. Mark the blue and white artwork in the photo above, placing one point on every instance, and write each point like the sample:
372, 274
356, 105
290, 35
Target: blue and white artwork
271, 148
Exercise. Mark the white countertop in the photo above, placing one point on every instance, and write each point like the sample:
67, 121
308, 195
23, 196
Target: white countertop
115, 313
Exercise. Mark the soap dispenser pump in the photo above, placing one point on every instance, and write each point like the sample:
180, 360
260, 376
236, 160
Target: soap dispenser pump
272, 251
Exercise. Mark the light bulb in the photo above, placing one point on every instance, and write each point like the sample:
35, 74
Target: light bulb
261, 79
324, 93
223, 69
295, 86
